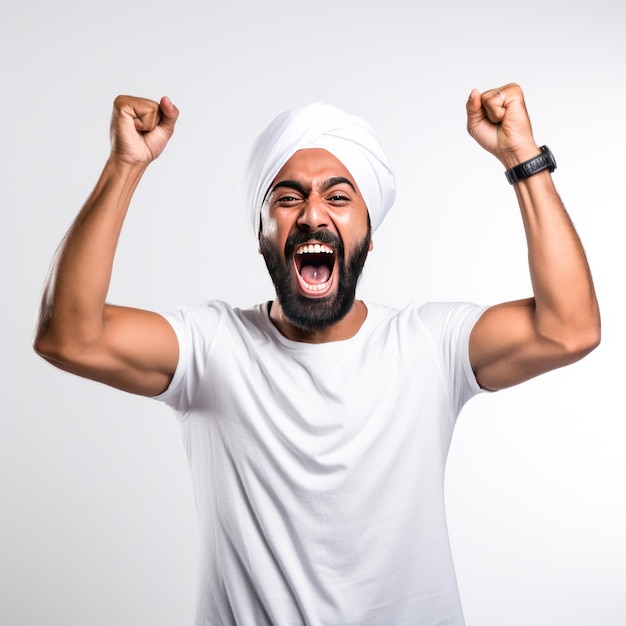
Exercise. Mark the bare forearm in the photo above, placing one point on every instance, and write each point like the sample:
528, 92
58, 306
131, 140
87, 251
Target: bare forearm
565, 302
127, 348
515, 341
75, 293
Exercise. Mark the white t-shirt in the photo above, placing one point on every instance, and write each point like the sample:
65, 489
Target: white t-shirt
318, 469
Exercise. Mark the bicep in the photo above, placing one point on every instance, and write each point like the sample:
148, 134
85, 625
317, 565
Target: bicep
505, 348
137, 351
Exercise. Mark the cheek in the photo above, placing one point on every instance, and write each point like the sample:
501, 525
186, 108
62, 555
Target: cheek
354, 219
354, 231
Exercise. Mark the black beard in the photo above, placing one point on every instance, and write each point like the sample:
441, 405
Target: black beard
315, 314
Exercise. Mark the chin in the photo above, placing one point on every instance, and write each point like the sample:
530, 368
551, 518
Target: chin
315, 314
333, 297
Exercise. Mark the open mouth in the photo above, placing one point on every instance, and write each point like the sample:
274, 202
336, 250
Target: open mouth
315, 263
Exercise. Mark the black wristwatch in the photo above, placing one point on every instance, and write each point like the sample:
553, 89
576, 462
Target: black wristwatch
545, 161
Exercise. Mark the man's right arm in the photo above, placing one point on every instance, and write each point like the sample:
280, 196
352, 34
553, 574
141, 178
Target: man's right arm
130, 349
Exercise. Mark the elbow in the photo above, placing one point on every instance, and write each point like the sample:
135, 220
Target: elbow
581, 342
585, 345
594, 337
46, 342
568, 339
71, 351
56, 350
592, 333
68, 344
41, 343
595, 334
45, 347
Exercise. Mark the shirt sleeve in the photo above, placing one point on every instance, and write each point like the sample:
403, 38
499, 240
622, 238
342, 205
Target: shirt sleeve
450, 325
194, 327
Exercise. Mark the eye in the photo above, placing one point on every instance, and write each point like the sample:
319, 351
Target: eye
288, 200
338, 198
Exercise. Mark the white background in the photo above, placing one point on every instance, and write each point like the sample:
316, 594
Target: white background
97, 518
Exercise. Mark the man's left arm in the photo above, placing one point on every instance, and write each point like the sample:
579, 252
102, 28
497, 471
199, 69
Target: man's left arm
515, 341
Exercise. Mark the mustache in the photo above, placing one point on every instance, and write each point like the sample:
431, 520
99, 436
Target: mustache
320, 236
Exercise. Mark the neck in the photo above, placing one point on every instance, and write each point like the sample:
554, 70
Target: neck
345, 328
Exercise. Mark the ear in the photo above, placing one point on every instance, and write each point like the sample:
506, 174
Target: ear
371, 246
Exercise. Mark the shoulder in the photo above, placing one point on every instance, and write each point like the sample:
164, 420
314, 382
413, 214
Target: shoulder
432, 316
200, 323
213, 312
442, 314
441, 325
208, 334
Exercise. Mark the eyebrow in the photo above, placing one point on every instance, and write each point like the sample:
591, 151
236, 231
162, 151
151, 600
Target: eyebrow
290, 184
299, 187
338, 180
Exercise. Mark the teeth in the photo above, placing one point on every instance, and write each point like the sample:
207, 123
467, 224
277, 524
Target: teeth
315, 287
314, 248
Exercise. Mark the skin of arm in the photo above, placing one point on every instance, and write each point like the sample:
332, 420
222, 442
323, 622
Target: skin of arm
77, 330
515, 341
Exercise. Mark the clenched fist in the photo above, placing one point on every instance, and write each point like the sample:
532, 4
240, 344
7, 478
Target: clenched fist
498, 120
141, 128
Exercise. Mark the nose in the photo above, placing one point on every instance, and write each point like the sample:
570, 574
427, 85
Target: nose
313, 215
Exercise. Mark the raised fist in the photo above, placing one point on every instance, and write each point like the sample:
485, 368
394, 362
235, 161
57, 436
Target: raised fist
498, 120
141, 128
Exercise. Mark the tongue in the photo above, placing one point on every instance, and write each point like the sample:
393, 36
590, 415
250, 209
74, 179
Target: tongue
315, 274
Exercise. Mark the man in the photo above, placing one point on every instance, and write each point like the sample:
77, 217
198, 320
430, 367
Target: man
317, 426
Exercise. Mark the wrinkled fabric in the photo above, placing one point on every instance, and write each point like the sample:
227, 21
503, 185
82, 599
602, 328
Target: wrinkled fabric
347, 137
319, 482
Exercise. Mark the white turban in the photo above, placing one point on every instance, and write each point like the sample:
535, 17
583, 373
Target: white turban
347, 137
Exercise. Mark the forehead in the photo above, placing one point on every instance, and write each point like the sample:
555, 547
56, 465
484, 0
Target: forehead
311, 164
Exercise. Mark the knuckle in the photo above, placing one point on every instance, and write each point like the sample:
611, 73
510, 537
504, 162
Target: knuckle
514, 87
120, 101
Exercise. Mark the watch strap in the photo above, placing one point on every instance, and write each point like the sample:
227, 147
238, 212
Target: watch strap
544, 161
